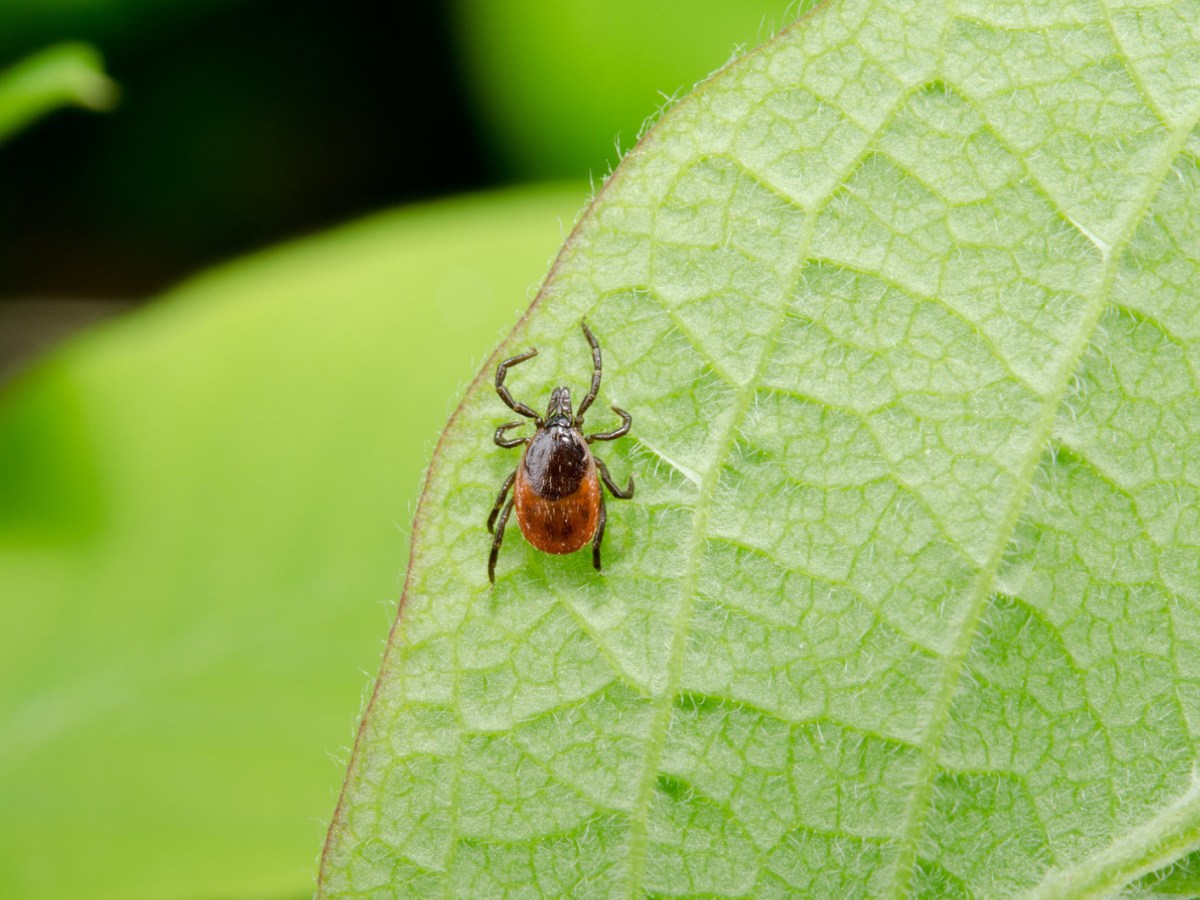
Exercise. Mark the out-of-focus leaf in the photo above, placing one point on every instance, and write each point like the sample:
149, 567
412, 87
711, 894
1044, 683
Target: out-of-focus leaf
60, 76
904, 306
203, 524
560, 84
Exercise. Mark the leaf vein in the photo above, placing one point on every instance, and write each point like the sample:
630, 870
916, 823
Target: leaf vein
920, 798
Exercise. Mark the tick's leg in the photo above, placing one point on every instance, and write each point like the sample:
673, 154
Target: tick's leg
501, 371
502, 441
599, 534
496, 541
621, 431
596, 370
500, 500
626, 494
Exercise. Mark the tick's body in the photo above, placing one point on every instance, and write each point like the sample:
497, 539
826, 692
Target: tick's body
557, 493
556, 487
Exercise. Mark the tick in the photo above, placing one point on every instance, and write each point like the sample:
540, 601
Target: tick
556, 486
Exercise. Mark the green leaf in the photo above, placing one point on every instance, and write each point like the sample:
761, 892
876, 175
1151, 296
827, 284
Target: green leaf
904, 307
62, 75
203, 524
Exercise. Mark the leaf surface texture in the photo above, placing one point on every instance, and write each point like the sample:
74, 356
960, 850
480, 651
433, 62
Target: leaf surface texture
903, 305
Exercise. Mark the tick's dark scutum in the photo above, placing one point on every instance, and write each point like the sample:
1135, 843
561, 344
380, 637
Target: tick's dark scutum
556, 462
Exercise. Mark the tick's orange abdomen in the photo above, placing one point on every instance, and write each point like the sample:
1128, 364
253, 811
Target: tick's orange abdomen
560, 525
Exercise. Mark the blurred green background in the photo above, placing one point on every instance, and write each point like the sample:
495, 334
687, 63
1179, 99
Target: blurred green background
205, 498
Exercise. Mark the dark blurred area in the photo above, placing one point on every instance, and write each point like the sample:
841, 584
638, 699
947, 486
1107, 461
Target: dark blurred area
298, 116
243, 123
